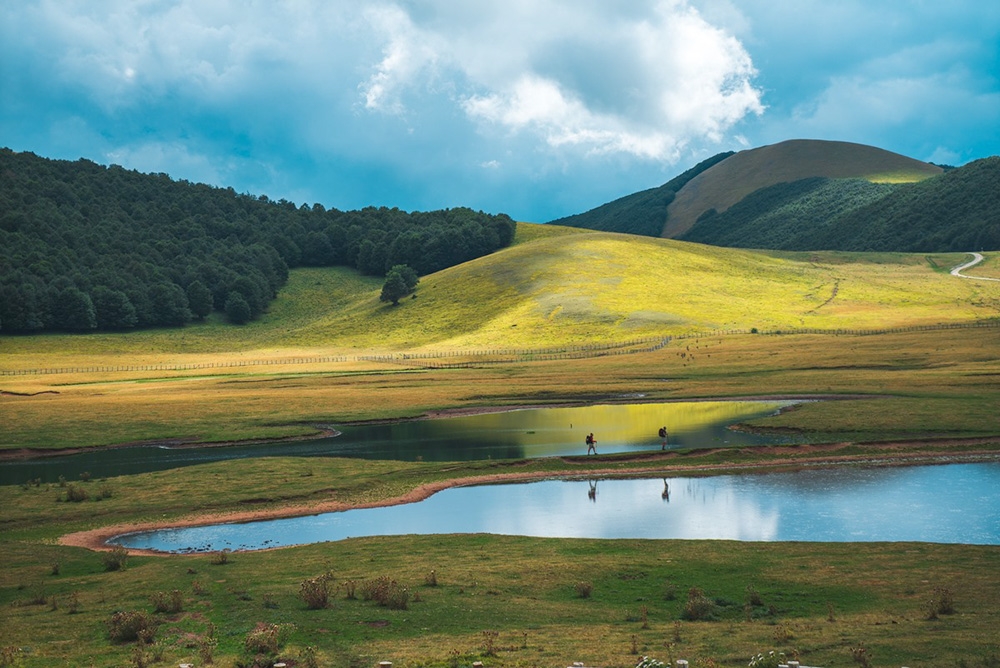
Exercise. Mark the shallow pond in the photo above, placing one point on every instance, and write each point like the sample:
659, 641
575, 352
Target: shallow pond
515, 434
953, 503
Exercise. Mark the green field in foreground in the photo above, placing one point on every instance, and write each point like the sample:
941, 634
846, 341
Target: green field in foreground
506, 601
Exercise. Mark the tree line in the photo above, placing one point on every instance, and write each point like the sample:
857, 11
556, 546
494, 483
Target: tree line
89, 247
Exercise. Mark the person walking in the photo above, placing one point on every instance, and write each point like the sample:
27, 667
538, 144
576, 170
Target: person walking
591, 443
663, 435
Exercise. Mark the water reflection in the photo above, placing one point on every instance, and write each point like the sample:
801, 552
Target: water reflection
956, 503
517, 434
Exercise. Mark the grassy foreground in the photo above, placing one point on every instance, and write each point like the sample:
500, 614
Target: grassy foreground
504, 600
509, 601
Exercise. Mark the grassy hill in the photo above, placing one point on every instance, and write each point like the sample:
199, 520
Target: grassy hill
791, 196
563, 286
747, 171
642, 212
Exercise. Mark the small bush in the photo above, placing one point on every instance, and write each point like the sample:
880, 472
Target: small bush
350, 589
861, 656
699, 606
753, 596
76, 494
315, 592
130, 625
85, 476
770, 660
115, 558
431, 579
670, 592
584, 589
171, 603
221, 558
262, 640
55, 568
73, 604
10, 655
206, 649
269, 602
944, 601
386, 592
490, 642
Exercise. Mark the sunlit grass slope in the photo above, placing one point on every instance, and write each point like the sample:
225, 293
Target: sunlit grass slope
560, 287
599, 287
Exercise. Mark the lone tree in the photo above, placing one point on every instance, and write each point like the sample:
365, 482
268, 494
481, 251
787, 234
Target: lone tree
400, 281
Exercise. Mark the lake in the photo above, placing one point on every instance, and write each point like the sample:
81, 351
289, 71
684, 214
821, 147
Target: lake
515, 434
952, 503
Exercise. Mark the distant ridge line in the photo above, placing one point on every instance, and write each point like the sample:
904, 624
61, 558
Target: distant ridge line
506, 356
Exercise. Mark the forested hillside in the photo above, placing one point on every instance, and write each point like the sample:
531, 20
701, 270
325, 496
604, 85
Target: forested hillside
957, 211
643, 212
85, 247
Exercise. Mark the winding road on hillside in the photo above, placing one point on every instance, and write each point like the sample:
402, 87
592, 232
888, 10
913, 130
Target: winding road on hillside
976, 259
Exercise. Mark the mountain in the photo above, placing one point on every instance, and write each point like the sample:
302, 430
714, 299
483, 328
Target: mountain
642, 212
748, 171
813, 195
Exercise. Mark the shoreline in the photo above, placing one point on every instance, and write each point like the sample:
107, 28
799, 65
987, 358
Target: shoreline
883, 454
326, 430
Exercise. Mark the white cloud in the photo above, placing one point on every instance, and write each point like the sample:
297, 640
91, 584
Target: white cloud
645, 82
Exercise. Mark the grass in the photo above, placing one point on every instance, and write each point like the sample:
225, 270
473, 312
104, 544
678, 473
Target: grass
282, 375
523, 590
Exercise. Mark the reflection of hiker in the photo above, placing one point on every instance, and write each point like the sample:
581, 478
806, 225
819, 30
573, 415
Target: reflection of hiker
665, 495
592, 493
663, 435
591, 444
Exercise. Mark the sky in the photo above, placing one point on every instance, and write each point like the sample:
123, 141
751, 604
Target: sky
534, 108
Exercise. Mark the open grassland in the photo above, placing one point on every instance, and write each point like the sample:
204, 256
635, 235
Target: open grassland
512, 601
562, 289
921, 383
507, 601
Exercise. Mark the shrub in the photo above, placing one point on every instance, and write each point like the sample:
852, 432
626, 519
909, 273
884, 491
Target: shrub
861, 656
221, 558
315, 592
10, 655
350, 589
171, 603
669, 592
74, 603
944, 601
431, 579
584, 589
76, 494
490, 642
753, 596
130, 625
267, 639
386, 592
770, 660
699, 606
115, 558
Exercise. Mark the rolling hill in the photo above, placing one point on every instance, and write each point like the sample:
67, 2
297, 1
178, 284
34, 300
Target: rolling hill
816, 195
562, 286
745, 172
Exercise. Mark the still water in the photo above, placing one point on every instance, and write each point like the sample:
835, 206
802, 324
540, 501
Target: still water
519, 434
953, 503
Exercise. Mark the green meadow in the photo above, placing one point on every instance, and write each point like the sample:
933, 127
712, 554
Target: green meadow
910, 351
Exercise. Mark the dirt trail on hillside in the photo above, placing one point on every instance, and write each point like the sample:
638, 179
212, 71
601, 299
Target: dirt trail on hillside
976, 259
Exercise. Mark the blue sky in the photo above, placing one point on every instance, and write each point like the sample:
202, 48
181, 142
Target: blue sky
536, 108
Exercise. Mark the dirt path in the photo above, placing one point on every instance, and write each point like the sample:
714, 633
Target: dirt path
976, 259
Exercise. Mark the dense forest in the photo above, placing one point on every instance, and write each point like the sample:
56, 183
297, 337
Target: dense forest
643, 212
956, 211
85, 247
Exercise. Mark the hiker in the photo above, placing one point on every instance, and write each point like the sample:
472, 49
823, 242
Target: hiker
591, 444
663, 435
